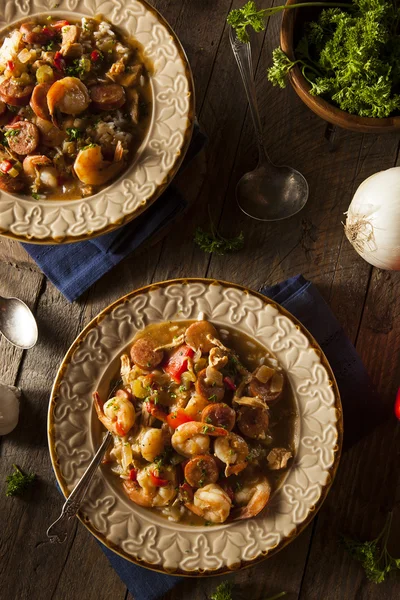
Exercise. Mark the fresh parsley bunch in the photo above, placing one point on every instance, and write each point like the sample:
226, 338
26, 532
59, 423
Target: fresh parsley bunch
350, 55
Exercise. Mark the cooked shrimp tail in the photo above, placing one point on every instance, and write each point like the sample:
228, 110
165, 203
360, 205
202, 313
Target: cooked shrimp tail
259, 497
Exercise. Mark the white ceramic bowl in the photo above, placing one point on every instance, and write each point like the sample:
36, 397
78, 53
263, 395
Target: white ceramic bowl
140, 535
158, 159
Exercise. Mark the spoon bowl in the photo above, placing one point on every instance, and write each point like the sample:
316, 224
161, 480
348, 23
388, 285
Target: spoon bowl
271, 193
17, 323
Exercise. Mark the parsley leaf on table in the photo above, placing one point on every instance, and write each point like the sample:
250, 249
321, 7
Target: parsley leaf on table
213, 242
374, 556
225, 589
18, 482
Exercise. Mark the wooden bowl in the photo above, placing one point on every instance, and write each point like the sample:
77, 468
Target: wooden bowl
291, 31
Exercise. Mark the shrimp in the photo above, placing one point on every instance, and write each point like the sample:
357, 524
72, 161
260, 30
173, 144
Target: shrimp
193, 438
195, 406
117, 414
154, 486
211, 502
91, 168
151, 443
40, 171
67, 95
233, 451
255, 494
125, 369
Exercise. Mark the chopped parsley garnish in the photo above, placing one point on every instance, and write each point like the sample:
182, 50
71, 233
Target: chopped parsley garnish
35, 195
212, 398
74, 133
49, 46
11, 132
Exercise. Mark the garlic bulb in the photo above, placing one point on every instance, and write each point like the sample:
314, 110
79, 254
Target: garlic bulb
373, 220
9, 408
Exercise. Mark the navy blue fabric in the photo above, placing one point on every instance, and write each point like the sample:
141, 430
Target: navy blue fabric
303, 300
73, 268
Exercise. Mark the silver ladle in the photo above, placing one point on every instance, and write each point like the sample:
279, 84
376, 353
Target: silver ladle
17, 323
270, 192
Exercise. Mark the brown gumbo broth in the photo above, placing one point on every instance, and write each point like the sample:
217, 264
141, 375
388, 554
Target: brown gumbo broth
189, 375
75, 105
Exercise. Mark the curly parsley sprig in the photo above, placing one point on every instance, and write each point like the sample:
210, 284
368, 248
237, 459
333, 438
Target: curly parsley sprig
18, 482
225, 592
213, 242
374, 556
250, 16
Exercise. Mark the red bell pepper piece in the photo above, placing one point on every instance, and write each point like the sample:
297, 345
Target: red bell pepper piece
59, 62
229, 383
10, 65
95, 55
186, 492
133, 474
120, 430
49, 32
158, 481
177, 363
60, 24
5, 166
177, 418
397, 405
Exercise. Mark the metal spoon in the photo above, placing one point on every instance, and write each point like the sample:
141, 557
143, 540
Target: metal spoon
269, 193
17, 323
58, 531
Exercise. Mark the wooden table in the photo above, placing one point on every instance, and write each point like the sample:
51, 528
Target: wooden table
365, 300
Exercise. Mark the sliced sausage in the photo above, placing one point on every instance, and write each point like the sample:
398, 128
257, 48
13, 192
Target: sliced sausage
107, 96
123, 393
38, 101
144, 355
196, 336
3, 107
270, 391
25, 137
201, 470
253, 421
10, 184
208, 391
33, 37
14, 94
220, 415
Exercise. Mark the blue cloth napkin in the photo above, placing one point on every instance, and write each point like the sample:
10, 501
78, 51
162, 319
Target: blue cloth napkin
73, 268
304, 301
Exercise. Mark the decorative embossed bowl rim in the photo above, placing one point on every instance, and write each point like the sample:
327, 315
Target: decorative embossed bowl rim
141, 536
160, 155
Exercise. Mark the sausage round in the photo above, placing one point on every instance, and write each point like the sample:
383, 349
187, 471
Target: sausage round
220, 415
3, 107
107, 96
26, 140
144, 355
196, 335
38, 101
212, 393
201, 470
263, 390
32, 37
253, 421
14, 94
